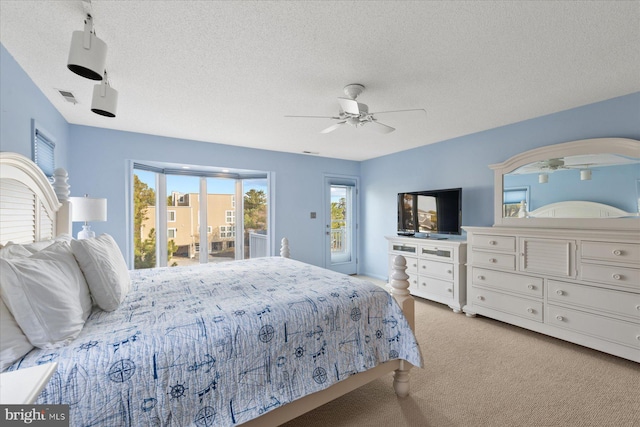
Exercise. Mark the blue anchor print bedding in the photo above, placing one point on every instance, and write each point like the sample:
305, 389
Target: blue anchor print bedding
221, 344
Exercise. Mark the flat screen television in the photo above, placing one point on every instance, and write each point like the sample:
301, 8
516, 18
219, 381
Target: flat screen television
423, 213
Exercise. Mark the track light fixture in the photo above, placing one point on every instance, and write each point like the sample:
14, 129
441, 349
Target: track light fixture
88, 53
105, 98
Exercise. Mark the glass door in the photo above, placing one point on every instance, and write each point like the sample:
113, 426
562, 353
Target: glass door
341, 225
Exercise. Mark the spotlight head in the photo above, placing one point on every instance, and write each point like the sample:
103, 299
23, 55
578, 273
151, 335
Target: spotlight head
105, 99
88, 53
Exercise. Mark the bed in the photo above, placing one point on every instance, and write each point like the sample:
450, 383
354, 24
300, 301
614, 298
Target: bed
252, 342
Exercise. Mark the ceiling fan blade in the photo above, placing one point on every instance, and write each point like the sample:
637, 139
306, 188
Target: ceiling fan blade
316, 117
349, 106
400, 111
381, 128
333, 127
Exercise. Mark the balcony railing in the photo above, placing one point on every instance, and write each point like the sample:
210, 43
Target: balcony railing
337, 240
258, 244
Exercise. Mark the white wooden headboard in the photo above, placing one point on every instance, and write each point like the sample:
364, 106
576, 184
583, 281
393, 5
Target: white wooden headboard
578, 209
29, 207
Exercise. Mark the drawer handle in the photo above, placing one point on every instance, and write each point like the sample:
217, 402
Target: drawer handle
530, 310
617, 252
492, 242
638, 337
424, 266
415, 265
480, 298
617, 276
449, 290
638, 307
560, 318
449, 271
560, 292
531, 287
492, 260
480, 277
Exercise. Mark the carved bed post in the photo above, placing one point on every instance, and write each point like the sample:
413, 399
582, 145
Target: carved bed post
61, 188
284, 248
400, 291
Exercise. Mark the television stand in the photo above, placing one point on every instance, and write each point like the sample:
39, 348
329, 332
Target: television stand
436, 268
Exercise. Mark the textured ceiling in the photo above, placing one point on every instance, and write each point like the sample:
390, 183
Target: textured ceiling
228, 72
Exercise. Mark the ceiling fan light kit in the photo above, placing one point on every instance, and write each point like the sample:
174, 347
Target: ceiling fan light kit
87, 58
355, 113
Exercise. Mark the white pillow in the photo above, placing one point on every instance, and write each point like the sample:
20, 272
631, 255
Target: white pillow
13, 343
38, 246
47, 295
104, 269
13, 251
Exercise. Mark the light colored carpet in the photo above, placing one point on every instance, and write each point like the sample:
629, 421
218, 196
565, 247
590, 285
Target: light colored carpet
481, 372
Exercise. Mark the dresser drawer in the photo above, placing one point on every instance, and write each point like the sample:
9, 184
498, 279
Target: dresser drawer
412, 264
622, 276
413, 282
496, 260
494, 243
435, 286
627, 333
441, 270
436, 253
592, 298
607, 251
523, 307
526, 285
405, 249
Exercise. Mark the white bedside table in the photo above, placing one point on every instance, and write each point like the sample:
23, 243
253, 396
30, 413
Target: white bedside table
24, 385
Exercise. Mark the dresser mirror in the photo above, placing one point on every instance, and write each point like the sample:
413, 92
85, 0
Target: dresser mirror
593, 183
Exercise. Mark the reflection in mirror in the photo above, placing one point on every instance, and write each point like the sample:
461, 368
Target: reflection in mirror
608, 179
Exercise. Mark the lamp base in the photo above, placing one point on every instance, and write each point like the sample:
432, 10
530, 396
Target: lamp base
86, 233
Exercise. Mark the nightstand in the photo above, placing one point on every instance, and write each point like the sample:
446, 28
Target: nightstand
24, 385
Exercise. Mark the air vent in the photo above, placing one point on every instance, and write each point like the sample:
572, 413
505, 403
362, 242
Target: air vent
68, 96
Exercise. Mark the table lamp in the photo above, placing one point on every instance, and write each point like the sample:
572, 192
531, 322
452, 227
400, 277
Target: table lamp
85, 209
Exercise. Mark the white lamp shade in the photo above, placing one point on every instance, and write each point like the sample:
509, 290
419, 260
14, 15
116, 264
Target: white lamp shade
87, 56
86, 209
105, 100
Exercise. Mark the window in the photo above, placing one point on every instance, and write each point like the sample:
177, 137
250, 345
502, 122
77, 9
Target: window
43, 150
227, 231
515, 202
195, 197
230, 217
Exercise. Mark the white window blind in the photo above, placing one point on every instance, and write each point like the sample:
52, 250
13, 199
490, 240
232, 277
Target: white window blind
515, 196
43, 153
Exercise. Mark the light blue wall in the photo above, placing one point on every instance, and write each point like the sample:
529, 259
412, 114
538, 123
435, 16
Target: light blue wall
462, 162
21, 101
99, 160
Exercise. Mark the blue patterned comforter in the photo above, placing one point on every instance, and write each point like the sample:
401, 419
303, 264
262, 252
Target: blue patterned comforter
220, 344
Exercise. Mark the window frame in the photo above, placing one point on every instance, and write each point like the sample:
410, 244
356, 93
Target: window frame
43, 141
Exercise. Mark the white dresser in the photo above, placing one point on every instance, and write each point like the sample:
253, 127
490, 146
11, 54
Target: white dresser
582, 286
436, 268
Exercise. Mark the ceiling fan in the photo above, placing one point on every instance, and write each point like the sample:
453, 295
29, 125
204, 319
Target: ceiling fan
356, 113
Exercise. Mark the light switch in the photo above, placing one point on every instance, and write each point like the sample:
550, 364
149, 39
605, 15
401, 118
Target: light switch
313, 215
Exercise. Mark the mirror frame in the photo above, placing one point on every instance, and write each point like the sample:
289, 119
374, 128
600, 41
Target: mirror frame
623, 146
